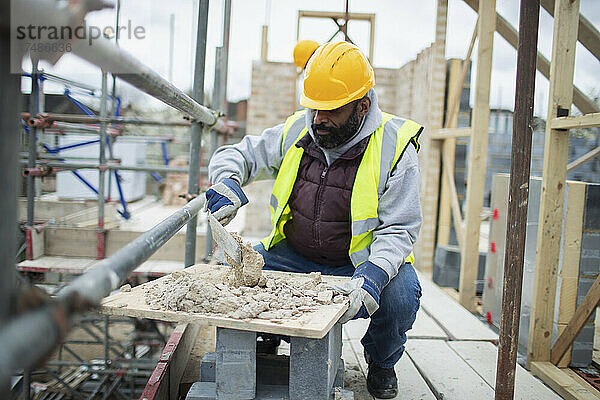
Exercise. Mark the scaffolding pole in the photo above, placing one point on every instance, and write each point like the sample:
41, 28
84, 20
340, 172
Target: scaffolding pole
518, 199
197, 130
48, 118
49, 168
32, 141
9, 106
102, 172
114, 60
45, 325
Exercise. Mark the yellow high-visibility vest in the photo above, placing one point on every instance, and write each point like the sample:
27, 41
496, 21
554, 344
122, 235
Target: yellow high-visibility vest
386, 146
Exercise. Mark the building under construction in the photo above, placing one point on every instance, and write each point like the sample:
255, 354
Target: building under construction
104, 206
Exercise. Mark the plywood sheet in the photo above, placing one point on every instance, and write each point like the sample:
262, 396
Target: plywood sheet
313, 324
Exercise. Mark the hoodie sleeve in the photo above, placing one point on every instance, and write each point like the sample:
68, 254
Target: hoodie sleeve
400, 215
253, 158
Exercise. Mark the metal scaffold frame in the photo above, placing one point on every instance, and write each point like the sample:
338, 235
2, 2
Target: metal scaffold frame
49, 323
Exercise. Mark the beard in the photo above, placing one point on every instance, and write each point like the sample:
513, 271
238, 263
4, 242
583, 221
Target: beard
337, 135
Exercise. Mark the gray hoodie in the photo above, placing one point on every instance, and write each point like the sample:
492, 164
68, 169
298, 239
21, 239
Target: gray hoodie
399, 210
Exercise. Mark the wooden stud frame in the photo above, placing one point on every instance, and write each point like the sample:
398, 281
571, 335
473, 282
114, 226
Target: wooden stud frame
477, 155
341, 15
556, 149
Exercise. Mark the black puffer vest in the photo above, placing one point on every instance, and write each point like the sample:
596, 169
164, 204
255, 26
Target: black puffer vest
320, 204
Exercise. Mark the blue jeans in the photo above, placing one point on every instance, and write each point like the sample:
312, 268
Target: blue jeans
385, 338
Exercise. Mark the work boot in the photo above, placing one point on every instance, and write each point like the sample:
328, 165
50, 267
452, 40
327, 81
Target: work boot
381, 382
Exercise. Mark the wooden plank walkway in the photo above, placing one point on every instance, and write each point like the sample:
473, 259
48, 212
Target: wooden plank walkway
450, 354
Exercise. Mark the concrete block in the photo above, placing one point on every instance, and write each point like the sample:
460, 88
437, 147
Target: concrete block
236, 364
35, 242
446, 267
314, 365
589, 262
272, 392
202, 391
207, 367
583, 287
581, 355
339, 376
591, 217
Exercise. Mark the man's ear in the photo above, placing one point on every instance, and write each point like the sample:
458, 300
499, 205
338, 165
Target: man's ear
363, 106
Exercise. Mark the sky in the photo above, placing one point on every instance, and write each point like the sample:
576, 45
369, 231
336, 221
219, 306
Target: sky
402, 30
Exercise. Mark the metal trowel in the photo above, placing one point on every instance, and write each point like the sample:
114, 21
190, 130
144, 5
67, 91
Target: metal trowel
230, 246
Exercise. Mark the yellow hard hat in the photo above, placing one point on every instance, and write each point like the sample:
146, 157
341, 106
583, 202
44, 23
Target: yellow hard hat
337, 74
302, 52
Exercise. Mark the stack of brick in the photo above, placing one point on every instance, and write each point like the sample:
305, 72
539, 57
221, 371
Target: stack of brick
175, 184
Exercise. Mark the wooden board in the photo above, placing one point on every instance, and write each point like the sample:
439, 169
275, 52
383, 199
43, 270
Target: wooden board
411, 385
314, 324
448, 375
423, 328
426, 328
469, 260
483, 356
579, 379
561, 382
556, 152
455, 320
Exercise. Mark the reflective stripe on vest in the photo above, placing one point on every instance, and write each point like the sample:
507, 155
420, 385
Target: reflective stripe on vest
386, 146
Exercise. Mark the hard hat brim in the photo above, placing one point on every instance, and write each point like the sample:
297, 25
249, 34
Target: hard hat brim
331, 104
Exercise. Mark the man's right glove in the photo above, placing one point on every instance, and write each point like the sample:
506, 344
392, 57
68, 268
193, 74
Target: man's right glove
224, 199
364, 291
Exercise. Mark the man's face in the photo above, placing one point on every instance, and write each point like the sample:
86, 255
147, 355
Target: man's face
333, 128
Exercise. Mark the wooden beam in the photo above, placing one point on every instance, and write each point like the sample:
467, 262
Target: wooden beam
582, 314
370, 17
448, 198
477, 155
586, 157
448, 150
510, 34
561, 382
450, 133
576, 121
454, 104
337, 15
587, 34
456, 213
556, 151
569, 272
579, 379
164, 381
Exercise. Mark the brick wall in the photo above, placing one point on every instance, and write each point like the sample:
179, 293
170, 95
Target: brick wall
272, 100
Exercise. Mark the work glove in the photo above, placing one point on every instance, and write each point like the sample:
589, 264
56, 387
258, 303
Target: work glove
224, 199
364, 291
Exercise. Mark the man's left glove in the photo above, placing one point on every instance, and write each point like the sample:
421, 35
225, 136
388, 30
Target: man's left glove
364, 291
224, 199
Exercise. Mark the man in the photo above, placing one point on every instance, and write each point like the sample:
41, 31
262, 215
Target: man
303, 51
345, 199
